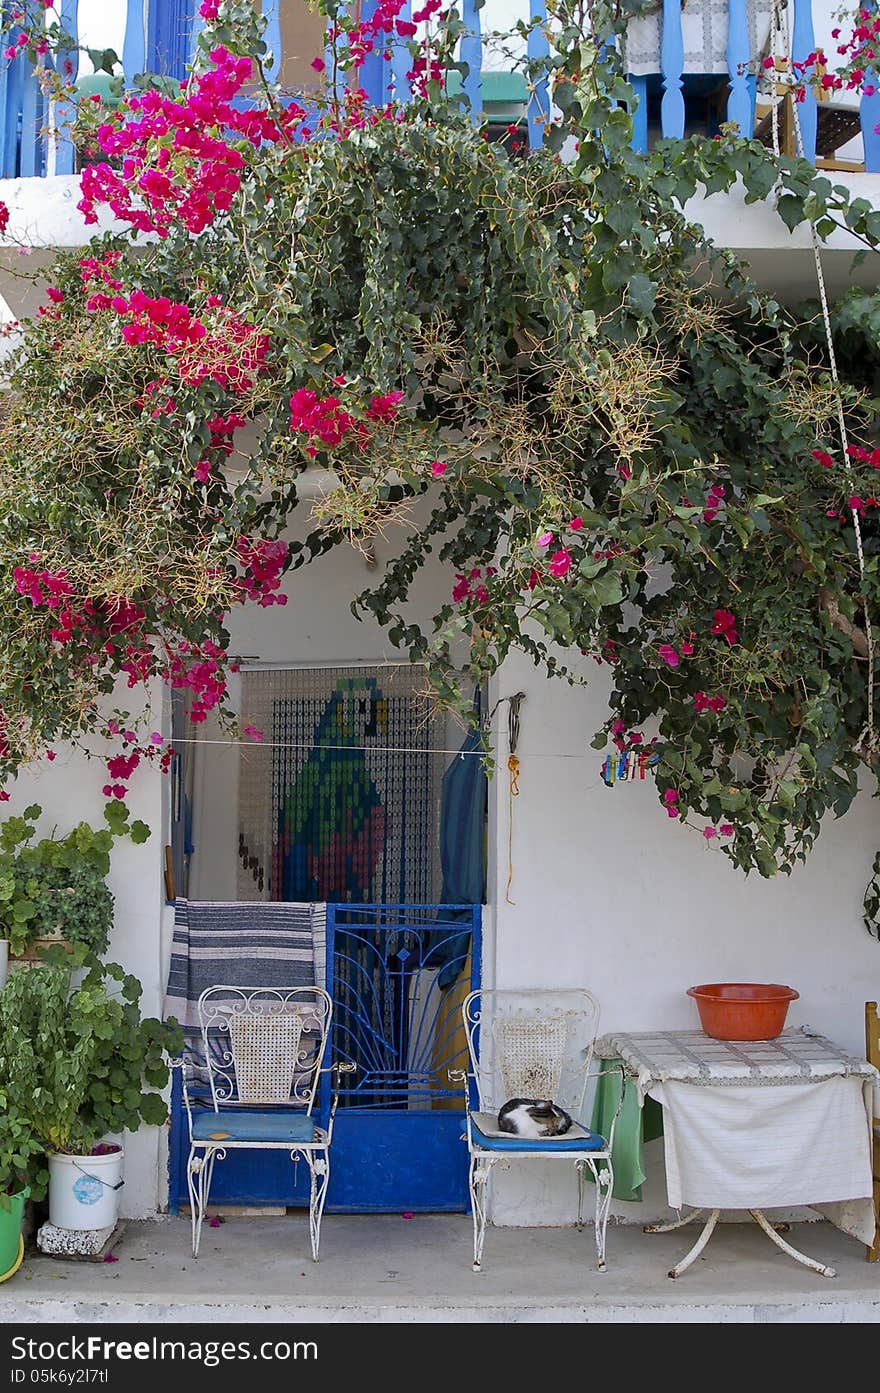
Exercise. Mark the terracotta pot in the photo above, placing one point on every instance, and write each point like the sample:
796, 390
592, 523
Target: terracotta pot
743, 1010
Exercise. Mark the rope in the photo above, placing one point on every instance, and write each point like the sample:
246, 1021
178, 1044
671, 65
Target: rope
514, 703
867, 740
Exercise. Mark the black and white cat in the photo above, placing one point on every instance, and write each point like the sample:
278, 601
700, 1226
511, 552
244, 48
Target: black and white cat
533, 1118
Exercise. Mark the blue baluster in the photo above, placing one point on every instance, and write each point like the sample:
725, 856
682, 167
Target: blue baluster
640, 115
471, 52
65, 111
401, 59
12, 111
539, 98
272, 13
869, 113
31, 151
802, 45
671, 64
134, 47
372, 78
739, 103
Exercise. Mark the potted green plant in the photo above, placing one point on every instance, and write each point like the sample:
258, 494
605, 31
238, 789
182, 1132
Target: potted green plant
22, 1172
55, 888
81, 1065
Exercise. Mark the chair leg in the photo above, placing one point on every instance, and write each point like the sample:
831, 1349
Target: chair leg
580, 1166
603, 1174
319, 1172
480, 1170
199, 1170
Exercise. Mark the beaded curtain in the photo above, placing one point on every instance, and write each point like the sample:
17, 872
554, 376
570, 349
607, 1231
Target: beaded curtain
341, 800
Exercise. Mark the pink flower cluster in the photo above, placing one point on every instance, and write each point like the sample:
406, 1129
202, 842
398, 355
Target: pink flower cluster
4, 217
672, 656
263, 564
714, 500
471, 588
326, 422
197, 668
177, 165
153, 319
226, 350
724, 624
703, 703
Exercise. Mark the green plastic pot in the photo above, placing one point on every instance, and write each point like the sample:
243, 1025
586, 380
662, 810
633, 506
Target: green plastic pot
11, 1241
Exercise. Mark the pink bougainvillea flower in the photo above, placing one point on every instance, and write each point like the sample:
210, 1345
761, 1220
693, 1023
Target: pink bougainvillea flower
576, 524
670, 796
202, 471
156, 738
438, 468
709, 833
110, 1257
560, 563
823, 458
318, 64
214, 1221
668, 654
253, 733
544, 539
724, 624
726, 829
50, 755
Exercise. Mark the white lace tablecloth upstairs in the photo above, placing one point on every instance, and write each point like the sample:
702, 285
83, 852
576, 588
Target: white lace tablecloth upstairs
767, 1124
703, 33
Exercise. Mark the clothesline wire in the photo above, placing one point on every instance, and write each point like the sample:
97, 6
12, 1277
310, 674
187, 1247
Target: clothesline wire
360, 749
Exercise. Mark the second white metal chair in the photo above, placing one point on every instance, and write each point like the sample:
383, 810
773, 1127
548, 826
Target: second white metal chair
534, 1043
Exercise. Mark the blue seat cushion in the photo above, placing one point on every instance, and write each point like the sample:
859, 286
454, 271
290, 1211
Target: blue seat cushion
486, 1135
252, 1126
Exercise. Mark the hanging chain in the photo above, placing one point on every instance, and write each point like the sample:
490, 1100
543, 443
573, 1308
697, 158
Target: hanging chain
867, 740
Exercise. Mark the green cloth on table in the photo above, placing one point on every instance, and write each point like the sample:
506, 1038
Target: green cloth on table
635, 1126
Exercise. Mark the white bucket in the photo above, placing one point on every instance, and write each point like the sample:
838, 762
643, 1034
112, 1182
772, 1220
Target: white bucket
84, 1191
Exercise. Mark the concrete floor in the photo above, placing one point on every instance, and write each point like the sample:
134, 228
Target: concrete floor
386, 1268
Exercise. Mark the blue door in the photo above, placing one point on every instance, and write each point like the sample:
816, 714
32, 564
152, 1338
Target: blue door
397, 975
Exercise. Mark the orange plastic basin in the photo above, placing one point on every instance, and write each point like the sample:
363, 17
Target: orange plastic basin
743, 1010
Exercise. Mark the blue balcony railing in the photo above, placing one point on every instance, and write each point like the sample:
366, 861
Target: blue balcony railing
160, 37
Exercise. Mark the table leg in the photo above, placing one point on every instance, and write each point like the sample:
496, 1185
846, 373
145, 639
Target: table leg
802, 1258
667, 1225
700, 1244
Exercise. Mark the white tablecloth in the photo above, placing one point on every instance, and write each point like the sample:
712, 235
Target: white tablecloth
772, 1125
769, 1148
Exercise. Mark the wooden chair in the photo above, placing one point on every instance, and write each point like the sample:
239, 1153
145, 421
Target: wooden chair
872, 1050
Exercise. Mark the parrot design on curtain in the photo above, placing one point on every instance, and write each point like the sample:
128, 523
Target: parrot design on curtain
332, 824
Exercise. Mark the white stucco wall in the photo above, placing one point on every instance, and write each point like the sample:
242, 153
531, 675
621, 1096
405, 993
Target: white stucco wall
613, 895
69, 791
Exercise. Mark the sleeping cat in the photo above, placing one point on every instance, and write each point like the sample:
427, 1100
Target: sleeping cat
533, 1118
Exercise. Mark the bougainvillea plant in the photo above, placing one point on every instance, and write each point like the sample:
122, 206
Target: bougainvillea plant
629, 453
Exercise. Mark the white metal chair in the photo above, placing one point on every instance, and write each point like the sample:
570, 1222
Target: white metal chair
262, 1047
535, 1043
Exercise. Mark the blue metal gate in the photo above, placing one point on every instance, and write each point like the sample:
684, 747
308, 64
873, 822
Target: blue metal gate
397, 975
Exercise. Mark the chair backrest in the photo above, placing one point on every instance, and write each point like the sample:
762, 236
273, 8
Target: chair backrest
872, 1034
264, 1044
533, 1043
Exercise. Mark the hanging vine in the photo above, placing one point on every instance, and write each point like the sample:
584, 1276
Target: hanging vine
631, 455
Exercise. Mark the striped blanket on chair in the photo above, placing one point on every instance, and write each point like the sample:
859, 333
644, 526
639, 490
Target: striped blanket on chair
242, 944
